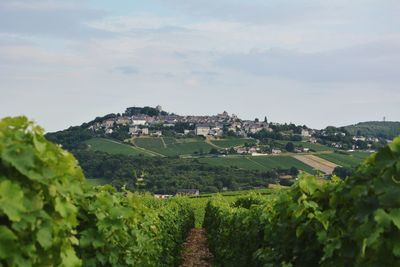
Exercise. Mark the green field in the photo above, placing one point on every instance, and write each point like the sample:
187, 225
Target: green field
262, 163
351, 160
174, 147
232, 142
113, 147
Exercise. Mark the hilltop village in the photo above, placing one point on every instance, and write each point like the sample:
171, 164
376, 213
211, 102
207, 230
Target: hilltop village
155, 122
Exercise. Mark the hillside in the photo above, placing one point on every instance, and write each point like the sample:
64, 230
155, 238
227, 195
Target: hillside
176, 152
377, 129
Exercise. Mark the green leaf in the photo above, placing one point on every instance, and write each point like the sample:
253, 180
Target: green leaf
11, 200
308, 184
7, 238
44, 237
395, 215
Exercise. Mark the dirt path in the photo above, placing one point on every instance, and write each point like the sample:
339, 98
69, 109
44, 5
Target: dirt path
208, 141
317, 163
255, 162
163, 142
153, 153
195, 250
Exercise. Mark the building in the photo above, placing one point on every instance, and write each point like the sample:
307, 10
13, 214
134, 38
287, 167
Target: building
123, 121
145, 131
138, 121
108, 123
133, 130
157, 133
305, 133
203, 130
276, 151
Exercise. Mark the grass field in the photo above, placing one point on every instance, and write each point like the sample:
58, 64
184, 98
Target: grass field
262, 163
113, 147
232, 142
174, 147
351, 160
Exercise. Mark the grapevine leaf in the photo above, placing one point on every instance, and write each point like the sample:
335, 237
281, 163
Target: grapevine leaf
44, 237
11, 200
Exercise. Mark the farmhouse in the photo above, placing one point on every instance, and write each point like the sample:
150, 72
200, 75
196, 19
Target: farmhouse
203, 130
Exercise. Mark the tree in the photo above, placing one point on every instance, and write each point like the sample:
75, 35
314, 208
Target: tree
256, 120
265, 119
342, 172
294, 171
289, 147
214, 151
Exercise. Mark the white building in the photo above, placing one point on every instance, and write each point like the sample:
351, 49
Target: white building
108, 123
305, 133
203, 130
138, 121
145, 131
133, 130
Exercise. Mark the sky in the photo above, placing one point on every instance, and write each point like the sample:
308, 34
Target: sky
309, 62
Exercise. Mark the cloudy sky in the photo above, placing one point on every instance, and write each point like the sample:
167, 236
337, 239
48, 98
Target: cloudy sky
304, 61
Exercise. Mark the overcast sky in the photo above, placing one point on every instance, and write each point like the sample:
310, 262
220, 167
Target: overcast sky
310, 62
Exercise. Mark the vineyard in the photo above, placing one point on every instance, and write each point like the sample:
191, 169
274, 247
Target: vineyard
314, 223
50, 216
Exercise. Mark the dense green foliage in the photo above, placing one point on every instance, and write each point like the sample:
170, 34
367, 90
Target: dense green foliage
261, 163
379, 129
49, 216
355, 222
167, 175
150, 111
39, 184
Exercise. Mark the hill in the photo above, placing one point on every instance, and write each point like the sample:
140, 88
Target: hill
377, 129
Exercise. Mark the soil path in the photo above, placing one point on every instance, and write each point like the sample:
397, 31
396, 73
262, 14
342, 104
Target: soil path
317, 163
195, 250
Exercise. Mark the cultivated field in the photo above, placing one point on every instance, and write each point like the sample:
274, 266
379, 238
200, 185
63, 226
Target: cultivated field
351, 160
114, 147
317, 163
169, 146
262, 163
232, 142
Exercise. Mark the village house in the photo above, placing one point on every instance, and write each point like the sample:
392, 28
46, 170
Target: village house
276, 151
305, 133
203, 130
108, 123
133, 130
123, 121
145, 131
138, 120
157, 133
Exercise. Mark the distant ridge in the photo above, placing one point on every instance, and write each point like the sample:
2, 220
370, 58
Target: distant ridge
379, 129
